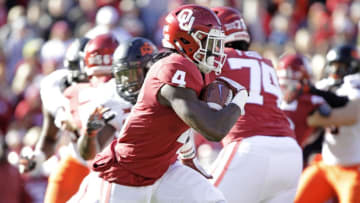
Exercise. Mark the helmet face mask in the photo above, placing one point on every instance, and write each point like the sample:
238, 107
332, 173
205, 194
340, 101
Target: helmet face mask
341, 61
130, 64
291, 89
129, 82
195, 32
74, 60
210, 55
294, 73
337, 70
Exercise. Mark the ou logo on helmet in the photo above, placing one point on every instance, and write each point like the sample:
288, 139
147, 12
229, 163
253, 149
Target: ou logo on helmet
186, 19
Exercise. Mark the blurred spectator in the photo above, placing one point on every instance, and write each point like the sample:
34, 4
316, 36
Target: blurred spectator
83, 15
6, 97
3, 13
107, 20
28, 111
58, 10
344, 29
12, 189
36, 181
28, 68
302, 41
34, 35
130, 18
319, 23
61, 31
151, 11
333, 4
52, 54
279, 27
14, 37
158, 29
101, 3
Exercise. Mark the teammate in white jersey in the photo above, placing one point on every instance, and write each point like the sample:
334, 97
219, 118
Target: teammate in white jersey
337, 174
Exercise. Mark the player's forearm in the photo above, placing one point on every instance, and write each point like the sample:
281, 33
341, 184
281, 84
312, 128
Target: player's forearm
212, 124
347, 115
48, 137
331, 98
88, 146
47, 146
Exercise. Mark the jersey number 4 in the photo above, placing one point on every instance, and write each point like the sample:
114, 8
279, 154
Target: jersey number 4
262, 78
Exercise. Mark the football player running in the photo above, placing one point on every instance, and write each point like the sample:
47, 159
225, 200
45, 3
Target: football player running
261, 161
141, 165
337, 174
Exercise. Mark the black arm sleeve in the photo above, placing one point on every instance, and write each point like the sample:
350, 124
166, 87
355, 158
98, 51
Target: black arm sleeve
331, 98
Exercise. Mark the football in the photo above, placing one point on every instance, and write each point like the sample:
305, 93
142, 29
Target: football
217, 94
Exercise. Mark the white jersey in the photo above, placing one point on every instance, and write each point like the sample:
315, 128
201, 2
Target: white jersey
325, 83
343, 148
103, 95
51, 94
107, 96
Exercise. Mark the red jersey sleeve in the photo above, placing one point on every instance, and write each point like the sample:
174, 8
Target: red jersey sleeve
181, 73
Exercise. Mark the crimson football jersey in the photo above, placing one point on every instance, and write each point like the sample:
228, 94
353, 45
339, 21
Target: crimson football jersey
151, 135
298, 111
263, 114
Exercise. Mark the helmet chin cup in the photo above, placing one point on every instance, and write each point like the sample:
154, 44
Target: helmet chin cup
210, 56
203, 68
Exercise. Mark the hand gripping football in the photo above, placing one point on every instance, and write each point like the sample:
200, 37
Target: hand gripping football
217, 94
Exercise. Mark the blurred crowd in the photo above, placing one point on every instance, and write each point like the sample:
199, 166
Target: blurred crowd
35, 34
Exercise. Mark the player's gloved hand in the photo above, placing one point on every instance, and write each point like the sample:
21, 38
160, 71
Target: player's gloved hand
64, 120
240, 93
31, 161
187, 155
98, 120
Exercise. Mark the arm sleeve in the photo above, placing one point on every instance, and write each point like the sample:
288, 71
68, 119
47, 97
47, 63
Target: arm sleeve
51, 91
331, 98
181, 75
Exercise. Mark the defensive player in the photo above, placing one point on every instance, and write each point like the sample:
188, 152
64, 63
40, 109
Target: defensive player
53, 99
261, 161
82, 100
141, 166
337, 174
51, 93
294, 75
131, 60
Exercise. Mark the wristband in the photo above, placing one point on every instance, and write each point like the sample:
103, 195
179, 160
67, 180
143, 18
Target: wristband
188, 151
240, 100
324, 110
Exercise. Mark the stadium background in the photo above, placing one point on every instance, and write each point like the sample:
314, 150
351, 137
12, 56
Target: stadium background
34, 35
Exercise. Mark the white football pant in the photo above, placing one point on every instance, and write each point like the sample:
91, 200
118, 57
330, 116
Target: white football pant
180, 184
259, 169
